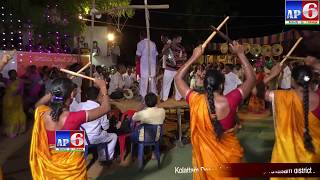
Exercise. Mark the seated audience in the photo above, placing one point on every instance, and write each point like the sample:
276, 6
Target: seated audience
150, 115
116, 84
97, 129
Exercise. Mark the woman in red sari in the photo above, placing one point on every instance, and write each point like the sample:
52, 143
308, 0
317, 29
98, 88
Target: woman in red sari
45, 162
213, 118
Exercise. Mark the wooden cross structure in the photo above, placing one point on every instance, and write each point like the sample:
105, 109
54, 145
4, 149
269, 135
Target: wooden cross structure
146, 8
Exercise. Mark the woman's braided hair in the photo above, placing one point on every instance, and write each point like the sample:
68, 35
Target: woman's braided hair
303, 76
212, 82
61, 90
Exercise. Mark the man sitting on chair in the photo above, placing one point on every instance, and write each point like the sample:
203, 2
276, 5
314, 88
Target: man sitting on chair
117, 83
150, 115
97, 129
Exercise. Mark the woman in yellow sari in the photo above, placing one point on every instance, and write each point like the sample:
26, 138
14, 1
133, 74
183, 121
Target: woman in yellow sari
14, 118
296, 118
213, 118
45, 162
4, 60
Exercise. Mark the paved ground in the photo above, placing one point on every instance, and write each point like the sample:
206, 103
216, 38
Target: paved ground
257, 138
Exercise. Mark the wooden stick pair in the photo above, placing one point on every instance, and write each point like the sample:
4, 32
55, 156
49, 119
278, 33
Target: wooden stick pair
291, 51
82, 69
295, 58
204, 45
224, 36
77, 74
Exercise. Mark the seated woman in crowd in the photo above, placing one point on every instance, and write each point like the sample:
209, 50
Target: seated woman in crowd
46, 162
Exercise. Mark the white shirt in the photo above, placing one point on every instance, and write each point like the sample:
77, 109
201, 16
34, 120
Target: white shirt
128, 80
94, 128
78, 82
142, 51
286, 78
152, 115
116, 81
232, 81
74, 106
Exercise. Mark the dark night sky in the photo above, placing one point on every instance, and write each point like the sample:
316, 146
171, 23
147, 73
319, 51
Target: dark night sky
242, 23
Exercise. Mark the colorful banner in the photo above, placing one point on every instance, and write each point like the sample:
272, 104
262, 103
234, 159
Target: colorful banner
291, 35
22, 60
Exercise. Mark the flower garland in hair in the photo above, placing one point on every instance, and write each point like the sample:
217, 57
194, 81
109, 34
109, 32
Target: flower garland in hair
306, 78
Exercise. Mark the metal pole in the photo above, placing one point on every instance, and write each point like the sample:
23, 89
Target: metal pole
91, 39
148, 46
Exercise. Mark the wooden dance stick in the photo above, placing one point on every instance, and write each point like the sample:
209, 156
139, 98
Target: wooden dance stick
77, 74
204, 45
291, 51
225, 37
295, 58
82, 69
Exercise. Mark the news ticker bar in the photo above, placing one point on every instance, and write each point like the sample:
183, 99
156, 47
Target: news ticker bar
274, 170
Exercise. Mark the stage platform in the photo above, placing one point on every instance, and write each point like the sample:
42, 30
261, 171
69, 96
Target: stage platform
133, 104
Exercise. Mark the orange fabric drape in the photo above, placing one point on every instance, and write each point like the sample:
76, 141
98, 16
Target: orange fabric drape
48, 164
207, 151
289, 127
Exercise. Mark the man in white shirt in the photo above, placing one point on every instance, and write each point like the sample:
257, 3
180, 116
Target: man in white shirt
117, 83
129, 78
232, 81
142, 54
286, 78
150, 115
75, 105
97, 129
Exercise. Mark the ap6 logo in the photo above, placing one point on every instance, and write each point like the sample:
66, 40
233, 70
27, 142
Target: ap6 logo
70, 140
302, 12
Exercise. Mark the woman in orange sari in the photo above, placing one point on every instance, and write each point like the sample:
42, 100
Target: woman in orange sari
296, 118
213, 118
256, 102
45, 162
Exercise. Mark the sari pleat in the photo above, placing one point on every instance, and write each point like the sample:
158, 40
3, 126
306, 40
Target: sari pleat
209, 154
48, 164
289, 128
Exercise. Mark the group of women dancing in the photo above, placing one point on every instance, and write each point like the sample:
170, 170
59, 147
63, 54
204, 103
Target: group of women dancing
296, 116
214, 143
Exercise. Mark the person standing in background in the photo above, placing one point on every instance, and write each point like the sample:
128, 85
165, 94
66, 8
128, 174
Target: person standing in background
142, 54
175, 56
285, 83
232, 81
